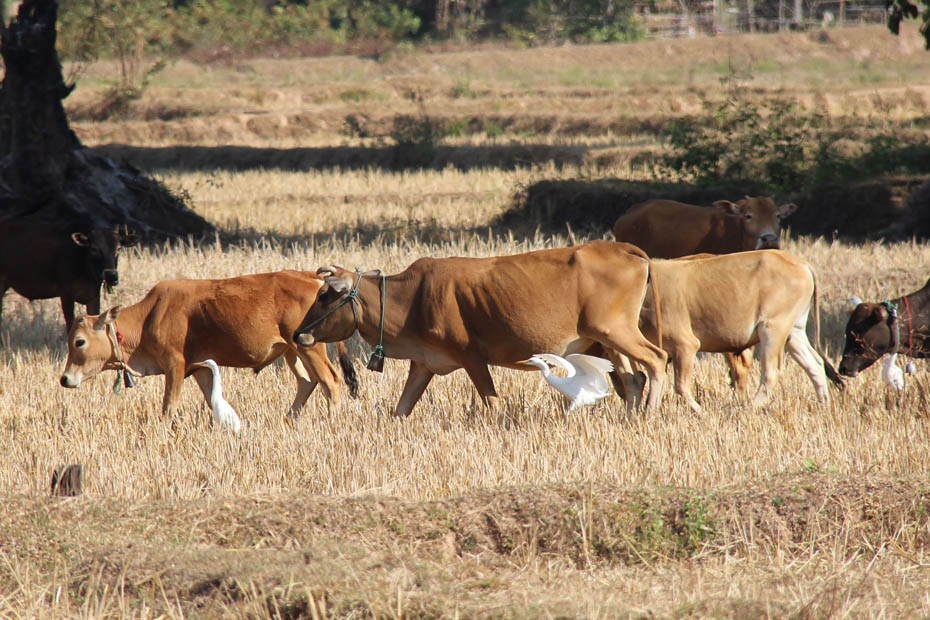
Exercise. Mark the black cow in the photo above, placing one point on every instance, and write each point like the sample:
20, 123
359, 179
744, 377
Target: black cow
900, 325
40, 261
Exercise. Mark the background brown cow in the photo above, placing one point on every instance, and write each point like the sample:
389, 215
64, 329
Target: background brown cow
670, 229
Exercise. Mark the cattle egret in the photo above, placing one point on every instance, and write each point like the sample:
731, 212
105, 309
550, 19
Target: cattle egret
223, 413
892, 374
586, 383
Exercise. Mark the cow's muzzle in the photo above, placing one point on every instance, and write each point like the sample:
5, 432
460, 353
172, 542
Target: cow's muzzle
848, 369
768, 242
304, 339
69, 382
110, 277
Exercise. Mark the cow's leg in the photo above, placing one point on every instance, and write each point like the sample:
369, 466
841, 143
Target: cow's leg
629, 383
799, 347
632, 343
771, 352
739, 365
480, 375
67, 309
3, 289
417, 380
174, 381
682, 356
305, 384
320, 368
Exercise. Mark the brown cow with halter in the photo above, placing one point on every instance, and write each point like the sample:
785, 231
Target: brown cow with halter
243, 322
443, 314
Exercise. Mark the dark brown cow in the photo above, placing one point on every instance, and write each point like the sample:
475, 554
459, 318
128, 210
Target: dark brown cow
670, 229
449, 313
243, 322
900, 325
39, 262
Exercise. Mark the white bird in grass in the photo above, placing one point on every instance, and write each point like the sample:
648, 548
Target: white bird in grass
586, 382
892, 374
223, 413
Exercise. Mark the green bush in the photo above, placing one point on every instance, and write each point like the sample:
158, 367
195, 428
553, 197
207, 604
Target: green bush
776, 143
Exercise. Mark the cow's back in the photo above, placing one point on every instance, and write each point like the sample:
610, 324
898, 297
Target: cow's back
527, 300
229, 316
670, 229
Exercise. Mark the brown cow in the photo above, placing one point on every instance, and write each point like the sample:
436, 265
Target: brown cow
449, 313
39, 262
669, 229
726, 304
243, 322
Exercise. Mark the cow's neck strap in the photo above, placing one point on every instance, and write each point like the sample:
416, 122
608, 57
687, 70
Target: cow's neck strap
123, 374
350, 298
910, 331
376, 361
895, 327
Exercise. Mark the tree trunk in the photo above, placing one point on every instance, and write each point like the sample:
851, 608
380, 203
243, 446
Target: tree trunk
45, 171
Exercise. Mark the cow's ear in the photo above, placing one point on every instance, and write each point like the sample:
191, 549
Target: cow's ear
879, 313
731, 208
80, 239
338, 284
786, 209
107, 317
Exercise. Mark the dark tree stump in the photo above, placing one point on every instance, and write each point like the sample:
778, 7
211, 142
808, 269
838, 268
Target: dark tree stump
45, 171
68, 480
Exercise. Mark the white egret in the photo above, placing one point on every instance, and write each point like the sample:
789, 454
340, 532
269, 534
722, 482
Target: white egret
586, 382
892, 374
223, 413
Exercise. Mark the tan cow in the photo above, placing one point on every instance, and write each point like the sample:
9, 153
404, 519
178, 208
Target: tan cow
243, 322
669, 229
449, 313
726, 304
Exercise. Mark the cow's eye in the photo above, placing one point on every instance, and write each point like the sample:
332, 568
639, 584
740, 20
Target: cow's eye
80, 342
748, 216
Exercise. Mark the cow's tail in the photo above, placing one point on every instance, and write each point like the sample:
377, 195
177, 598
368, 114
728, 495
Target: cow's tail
348, 369
637, 251
827, 366
655, 299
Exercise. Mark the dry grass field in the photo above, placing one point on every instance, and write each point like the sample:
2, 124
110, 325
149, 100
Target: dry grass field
796, 510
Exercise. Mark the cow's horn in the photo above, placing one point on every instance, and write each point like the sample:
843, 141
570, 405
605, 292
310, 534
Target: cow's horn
326, 270
852, 303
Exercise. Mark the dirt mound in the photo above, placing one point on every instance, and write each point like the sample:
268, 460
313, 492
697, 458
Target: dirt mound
853, 212
239, 552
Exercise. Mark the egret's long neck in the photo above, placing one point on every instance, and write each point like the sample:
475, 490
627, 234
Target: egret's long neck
544, 368
217, 391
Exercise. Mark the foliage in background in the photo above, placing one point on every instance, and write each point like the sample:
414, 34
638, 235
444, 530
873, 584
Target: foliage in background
778, 144
139, 28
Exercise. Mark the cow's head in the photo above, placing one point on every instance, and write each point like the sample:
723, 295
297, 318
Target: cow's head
868, 337
101, 247
334, 313
759, 220
90, 348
